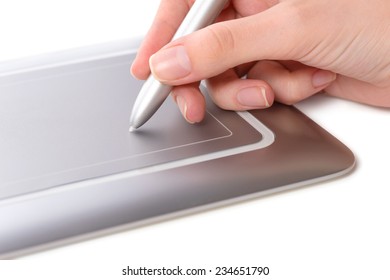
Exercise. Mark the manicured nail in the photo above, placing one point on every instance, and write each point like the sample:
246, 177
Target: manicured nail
183, 108
322, 78
170, 64
253, 97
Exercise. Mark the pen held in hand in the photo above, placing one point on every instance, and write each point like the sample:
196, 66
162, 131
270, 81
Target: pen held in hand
153, 93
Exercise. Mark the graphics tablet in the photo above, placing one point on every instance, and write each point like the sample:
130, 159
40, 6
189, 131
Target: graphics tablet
70, 169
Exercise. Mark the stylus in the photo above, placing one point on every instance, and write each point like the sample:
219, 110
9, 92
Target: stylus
153, 93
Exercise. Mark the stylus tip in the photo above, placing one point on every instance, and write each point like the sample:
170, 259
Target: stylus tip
132, 128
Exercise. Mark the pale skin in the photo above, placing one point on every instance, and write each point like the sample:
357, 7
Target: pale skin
288, 50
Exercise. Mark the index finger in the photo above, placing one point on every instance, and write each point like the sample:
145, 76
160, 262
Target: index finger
169, 16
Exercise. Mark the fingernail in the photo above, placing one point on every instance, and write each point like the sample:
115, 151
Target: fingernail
253, 97
170, 64
322, 78
183, 108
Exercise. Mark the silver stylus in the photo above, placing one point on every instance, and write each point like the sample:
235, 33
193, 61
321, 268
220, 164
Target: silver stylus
153, 93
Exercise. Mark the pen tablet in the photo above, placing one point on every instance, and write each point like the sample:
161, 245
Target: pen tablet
64, 141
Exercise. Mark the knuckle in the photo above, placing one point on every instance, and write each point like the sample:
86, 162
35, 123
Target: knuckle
290, 95
220, 40
218, 100
221, 100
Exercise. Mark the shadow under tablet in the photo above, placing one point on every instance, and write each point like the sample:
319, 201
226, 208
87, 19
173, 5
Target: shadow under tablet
65, 141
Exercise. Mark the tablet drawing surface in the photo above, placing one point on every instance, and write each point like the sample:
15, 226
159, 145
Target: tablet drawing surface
72, 125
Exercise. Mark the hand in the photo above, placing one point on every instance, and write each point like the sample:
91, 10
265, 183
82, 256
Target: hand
288, 50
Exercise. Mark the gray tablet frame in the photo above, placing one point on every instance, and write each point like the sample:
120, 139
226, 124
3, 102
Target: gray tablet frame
302, 153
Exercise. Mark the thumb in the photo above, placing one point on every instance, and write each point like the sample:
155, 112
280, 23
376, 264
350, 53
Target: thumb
219, 47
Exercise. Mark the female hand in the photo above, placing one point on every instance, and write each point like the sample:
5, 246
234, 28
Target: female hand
288, 50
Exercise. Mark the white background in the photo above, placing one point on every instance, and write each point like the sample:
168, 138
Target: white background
333, 230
